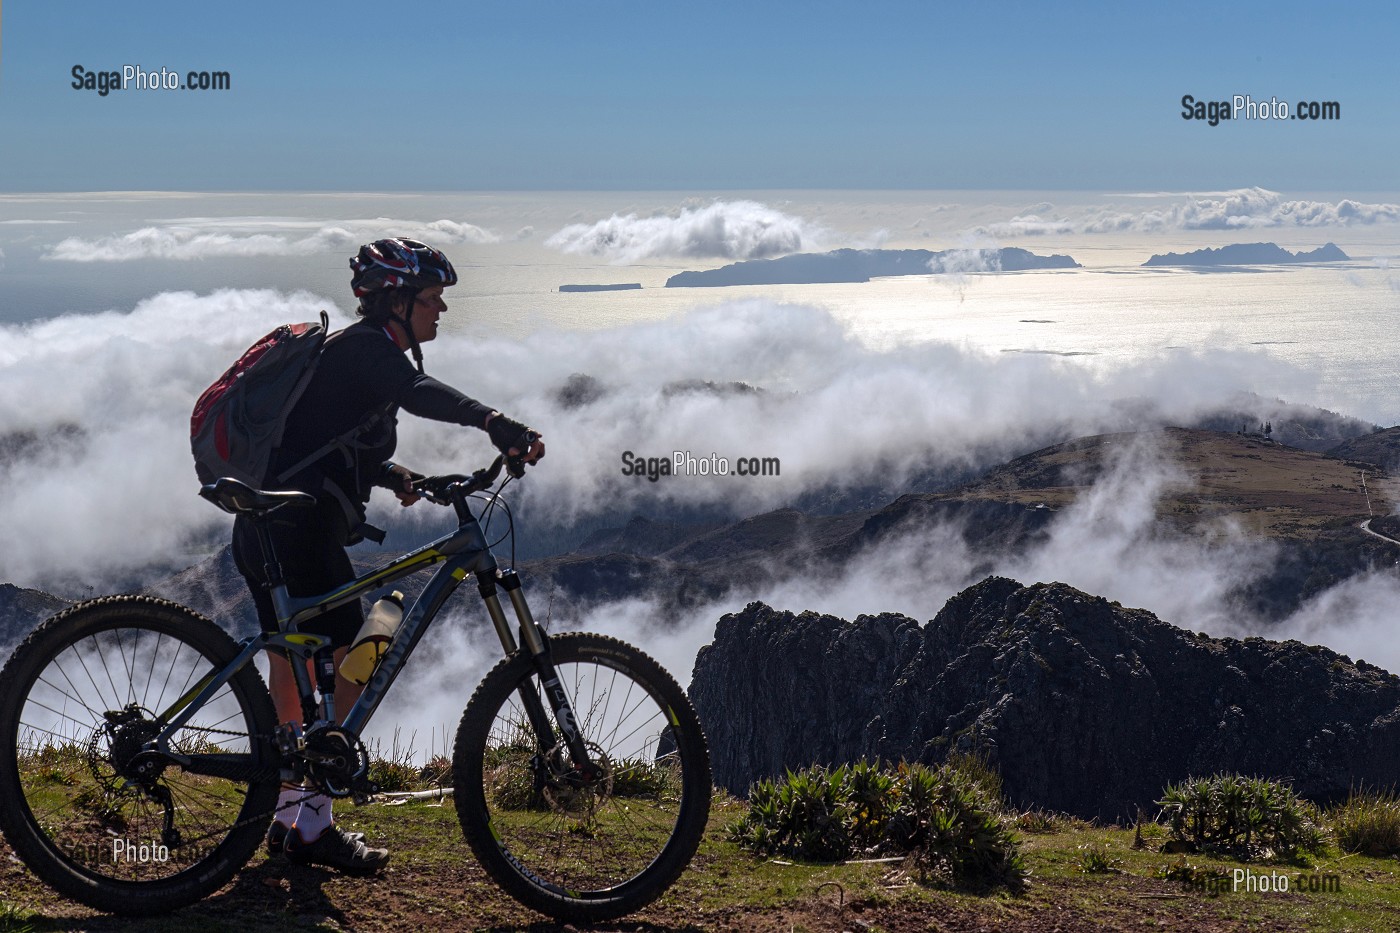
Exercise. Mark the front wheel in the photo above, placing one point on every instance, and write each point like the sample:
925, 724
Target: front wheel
583, 844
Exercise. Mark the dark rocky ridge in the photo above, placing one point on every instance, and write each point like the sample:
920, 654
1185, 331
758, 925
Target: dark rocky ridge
20, 611
1084, 706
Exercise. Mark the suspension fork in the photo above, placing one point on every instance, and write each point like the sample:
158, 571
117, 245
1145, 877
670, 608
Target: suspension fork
537, 644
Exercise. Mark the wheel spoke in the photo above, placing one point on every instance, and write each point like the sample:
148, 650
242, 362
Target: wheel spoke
569, 845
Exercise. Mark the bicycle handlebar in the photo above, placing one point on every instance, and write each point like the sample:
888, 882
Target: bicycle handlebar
451, 488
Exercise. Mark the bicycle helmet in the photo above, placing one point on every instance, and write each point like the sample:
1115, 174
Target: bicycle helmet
398, 262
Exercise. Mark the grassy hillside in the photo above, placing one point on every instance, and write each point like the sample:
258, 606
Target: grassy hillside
434, 884
1272, 490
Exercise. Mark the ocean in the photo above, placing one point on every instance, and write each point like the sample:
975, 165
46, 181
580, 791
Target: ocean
81, 254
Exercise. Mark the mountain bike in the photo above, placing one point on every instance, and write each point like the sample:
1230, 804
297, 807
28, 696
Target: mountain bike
141, 758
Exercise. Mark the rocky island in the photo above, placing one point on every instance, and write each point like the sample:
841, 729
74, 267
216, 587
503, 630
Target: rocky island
1249, 254
861, 265
621, 287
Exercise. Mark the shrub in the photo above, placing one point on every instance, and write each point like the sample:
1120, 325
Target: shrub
1368, 823
638, 777
1094, 859
394, 771
1245, 817
1040, 821
942, 817
436, 772
977, 767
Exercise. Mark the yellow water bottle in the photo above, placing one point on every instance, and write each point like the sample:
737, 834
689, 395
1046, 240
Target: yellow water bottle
372, 640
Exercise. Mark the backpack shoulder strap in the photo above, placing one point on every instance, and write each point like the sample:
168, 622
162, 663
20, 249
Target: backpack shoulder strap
339, 442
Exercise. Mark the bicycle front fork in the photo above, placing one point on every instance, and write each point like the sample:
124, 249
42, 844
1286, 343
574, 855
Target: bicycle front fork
536, 642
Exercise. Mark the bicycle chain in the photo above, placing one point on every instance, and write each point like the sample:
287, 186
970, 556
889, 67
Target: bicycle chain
257, 817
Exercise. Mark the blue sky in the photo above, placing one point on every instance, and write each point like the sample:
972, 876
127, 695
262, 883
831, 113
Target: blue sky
702, 96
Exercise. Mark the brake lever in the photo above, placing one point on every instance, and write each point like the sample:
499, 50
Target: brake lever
434, 488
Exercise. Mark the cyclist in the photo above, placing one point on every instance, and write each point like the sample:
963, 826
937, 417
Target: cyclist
362, 380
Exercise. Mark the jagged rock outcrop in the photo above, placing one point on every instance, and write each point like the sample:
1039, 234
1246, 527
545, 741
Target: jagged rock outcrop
1084, 706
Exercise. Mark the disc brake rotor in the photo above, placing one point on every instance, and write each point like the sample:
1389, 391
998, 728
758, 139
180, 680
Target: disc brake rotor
568, 791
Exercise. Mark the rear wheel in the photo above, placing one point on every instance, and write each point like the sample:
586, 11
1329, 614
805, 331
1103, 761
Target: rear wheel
575, 845
87, 806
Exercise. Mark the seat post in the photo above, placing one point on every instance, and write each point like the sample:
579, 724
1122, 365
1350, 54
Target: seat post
272, 567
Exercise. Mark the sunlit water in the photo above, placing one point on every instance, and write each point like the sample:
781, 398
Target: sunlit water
1335, 322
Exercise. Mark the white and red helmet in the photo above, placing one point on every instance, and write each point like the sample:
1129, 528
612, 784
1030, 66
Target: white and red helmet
398, 262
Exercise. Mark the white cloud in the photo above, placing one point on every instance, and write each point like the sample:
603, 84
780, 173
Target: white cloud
723, 229
203, 238
94, 419
1026, 225
1241, 209
109, 488
1248, 208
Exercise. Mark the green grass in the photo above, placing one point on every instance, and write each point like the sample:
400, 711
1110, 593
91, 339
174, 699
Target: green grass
435, 883
1368, 823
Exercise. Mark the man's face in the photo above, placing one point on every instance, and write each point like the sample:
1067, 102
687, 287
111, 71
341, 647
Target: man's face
426, 313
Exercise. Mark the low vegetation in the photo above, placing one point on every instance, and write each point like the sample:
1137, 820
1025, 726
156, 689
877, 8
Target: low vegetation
1246, 817
1078, 875
946, 817
1368, 823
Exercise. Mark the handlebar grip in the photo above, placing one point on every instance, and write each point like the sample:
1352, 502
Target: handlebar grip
515, 466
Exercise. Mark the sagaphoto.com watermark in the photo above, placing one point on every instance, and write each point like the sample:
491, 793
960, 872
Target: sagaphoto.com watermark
1245, 107
1242, 880
134, 77
685, 463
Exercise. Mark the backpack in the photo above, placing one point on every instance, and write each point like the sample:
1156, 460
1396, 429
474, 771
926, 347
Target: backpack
238, 422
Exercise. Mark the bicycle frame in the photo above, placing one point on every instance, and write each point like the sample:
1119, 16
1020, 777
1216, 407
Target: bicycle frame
463, 552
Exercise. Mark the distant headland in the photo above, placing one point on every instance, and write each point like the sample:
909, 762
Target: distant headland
861, 265
1248, 254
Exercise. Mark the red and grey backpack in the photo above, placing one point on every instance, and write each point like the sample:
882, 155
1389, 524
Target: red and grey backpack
238, 422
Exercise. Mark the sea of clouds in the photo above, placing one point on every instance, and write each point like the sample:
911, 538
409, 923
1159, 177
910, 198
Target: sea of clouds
94, 409
197, 238
97, 487
1241, 209
738, 229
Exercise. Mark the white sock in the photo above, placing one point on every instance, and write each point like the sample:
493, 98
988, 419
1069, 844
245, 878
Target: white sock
313, 818
290, 795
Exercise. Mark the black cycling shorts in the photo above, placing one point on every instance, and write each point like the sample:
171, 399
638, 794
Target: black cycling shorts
310, 545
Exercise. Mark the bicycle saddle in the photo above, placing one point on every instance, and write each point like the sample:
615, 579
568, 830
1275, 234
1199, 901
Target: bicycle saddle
232, 496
